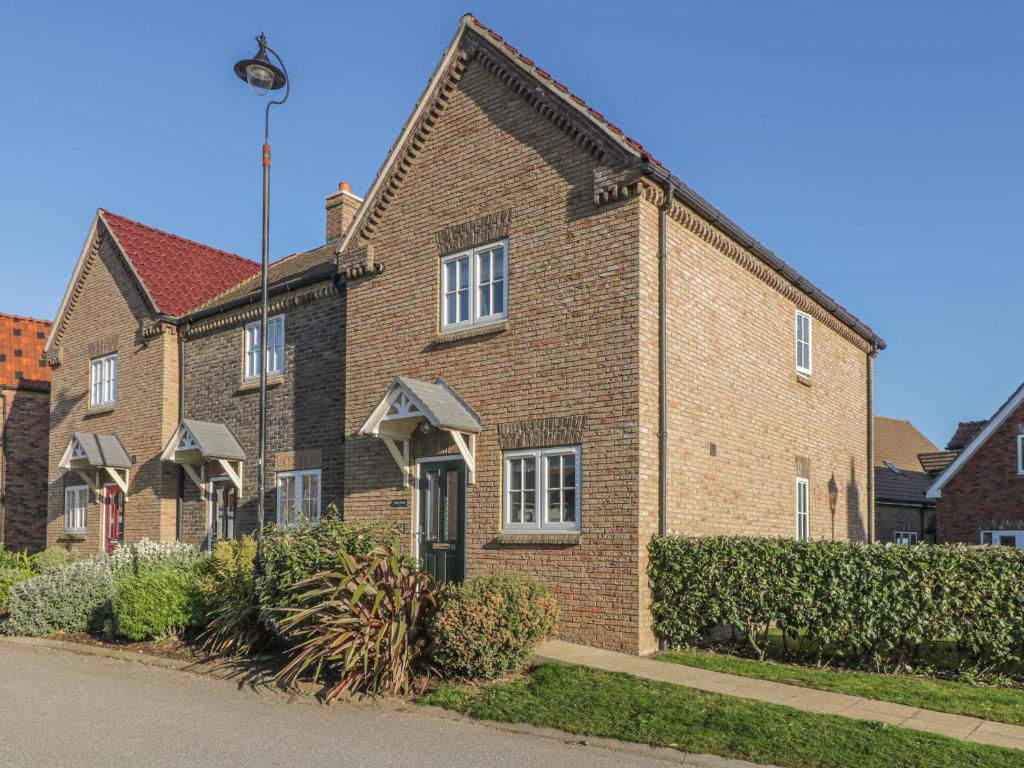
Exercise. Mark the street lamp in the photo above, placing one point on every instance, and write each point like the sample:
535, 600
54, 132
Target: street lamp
264, 76
833, 496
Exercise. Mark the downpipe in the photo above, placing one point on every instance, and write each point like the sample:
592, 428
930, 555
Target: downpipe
663, 210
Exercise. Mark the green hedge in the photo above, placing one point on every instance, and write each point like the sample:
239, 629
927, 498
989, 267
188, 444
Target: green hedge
877, 605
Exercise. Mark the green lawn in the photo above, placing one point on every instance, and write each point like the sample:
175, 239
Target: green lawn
594, 703
1005, 705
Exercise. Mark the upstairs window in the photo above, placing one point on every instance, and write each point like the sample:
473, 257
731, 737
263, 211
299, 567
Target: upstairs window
803, 343
474, 286
802, 511
1020, 454
275, 348
104, 381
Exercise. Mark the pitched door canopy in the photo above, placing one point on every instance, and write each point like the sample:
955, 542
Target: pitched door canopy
407, 403
91, 455
195, 444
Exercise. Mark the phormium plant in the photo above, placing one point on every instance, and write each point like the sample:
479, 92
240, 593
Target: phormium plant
361, 627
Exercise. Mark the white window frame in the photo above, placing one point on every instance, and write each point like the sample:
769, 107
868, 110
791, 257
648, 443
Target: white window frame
809, 342
540, 524
1020, 455
297, 475
250, 349
904, 537
803, 516
103, 381
472, 255
76, 508
987, 537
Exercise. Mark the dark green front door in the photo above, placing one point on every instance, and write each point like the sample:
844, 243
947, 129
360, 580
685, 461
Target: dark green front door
442, 505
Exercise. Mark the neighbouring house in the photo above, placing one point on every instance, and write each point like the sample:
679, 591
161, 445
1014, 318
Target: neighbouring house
530, 347
115, 399
903, 512
980, 494
24, 424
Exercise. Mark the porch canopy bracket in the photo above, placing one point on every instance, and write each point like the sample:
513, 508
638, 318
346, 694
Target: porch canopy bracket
407, 403
195, 445
92, 456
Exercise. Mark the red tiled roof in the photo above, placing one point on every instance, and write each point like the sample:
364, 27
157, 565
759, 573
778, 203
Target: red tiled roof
21, 352
711, 213
179, 274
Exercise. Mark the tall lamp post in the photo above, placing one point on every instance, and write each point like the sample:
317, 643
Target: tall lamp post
264, 76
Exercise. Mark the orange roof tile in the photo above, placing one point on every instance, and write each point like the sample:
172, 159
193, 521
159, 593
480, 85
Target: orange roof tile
21, 352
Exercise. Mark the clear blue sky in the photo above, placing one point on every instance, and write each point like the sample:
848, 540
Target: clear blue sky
875, 146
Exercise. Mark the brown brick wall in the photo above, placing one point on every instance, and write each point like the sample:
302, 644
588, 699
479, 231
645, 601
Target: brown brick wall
732, 383
987, 492
304, 409
109, 314
569, 347
23, 451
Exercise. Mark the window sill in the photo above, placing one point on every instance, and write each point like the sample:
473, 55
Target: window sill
483, 329
253, 386
559, 539
804, 378
99, 410
72, 537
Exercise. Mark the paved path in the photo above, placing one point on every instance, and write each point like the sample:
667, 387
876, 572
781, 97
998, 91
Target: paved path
64, 709
808, 699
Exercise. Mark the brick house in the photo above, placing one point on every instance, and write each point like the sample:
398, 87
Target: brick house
980, 494
516, 238
530, 347
115, 401
903, 512
24, 424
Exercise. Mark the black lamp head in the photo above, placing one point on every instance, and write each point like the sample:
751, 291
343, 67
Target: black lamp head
259, 72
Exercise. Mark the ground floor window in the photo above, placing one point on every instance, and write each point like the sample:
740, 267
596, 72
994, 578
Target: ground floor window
802, 510
298, 496
76, 508
1003, 538
543, 489
904, 537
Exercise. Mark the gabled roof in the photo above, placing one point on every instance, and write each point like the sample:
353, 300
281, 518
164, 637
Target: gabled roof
383, 185
174, 275
283, 270
95, 451
179, 274
899, 442
1006, 410
408, 401
22, 341
906, 487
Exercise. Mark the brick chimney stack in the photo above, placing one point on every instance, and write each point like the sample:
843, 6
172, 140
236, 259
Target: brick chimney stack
341, 209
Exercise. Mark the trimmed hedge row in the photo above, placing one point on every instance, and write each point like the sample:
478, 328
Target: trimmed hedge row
870, 604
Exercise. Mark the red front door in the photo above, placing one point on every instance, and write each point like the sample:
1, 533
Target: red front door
113, 517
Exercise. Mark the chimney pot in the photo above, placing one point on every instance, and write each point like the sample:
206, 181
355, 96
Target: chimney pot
344, 186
